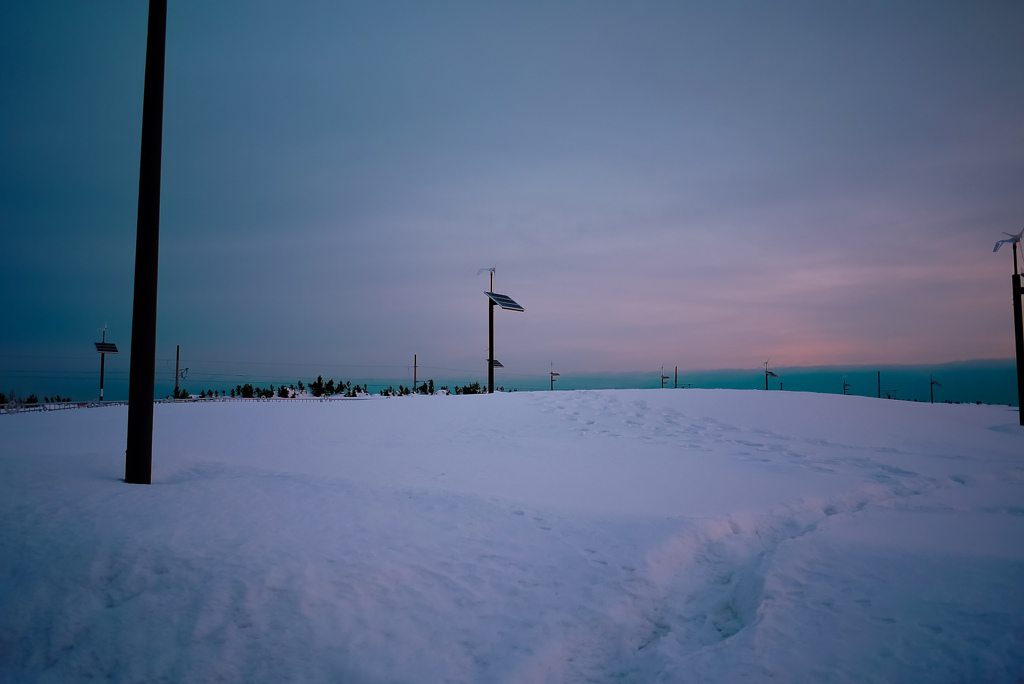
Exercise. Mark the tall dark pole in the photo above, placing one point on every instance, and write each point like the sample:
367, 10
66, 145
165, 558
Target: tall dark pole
1018, 332
879, 384
177, 365
490, 339
490, 345
102, 358
138, 462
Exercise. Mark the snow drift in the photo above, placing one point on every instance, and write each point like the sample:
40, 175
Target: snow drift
633, 535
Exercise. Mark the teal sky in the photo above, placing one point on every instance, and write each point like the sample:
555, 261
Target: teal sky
701, 184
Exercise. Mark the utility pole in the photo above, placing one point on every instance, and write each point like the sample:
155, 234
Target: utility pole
553, 376
846, 385
676, 385
931, 386
177, 364
879, 384
415, 387
138, 456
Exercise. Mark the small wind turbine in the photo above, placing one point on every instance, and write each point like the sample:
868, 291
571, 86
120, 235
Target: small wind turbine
932, 385
1018, 315
1013, 240
490, 270
767, 374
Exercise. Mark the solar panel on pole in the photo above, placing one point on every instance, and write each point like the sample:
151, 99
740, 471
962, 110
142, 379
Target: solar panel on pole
505, 302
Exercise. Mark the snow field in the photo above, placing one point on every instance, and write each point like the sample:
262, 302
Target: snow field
633, 535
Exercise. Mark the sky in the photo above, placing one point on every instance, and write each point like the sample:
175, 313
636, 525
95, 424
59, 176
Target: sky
693, 184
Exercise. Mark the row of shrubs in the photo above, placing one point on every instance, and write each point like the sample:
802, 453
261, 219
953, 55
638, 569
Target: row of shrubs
317, 388
31, 399
320, 388
428, 388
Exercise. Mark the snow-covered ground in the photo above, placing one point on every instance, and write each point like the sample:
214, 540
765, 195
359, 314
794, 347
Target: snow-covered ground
626, 535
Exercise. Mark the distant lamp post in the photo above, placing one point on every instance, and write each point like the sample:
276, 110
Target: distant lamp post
553, 376
767, 374
505, 302
1018, 324
104, 348
931, 386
